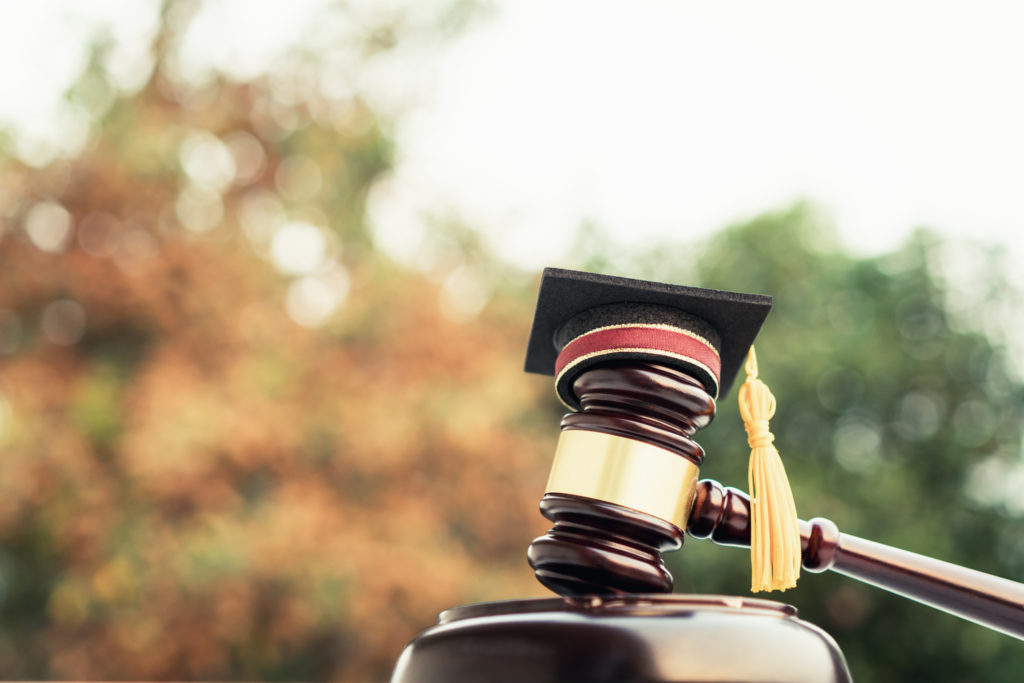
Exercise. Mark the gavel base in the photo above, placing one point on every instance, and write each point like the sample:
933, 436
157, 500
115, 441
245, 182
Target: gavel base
651, 638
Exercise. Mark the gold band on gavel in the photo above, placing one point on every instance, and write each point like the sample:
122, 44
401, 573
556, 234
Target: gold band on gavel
630, 473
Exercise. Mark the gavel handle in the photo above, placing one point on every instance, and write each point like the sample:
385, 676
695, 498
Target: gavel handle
723, 515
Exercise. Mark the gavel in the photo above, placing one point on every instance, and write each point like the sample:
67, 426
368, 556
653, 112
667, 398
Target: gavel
640, 366
624, 485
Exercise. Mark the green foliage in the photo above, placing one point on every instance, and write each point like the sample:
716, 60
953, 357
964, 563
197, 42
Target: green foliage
197, 487
886, 408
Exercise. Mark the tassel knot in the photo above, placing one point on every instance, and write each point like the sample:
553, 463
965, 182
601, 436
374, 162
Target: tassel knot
758, 434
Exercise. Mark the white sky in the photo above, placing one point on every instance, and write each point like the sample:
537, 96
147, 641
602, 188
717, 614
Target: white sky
659, 118
672, 118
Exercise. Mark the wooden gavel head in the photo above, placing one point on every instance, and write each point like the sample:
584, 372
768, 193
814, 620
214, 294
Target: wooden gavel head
640, 365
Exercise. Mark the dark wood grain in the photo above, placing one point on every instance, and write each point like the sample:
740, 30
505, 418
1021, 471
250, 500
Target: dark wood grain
599, 548
723, 515
638, 638
646, 402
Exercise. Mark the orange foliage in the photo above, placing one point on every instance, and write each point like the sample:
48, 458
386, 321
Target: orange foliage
200, 488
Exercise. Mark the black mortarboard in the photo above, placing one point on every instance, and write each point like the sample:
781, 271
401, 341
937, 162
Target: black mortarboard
602, 317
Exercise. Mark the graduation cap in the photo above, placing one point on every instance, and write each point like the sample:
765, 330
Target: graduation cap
583, 319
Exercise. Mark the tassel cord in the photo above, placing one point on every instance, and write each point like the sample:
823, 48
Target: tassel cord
774, 537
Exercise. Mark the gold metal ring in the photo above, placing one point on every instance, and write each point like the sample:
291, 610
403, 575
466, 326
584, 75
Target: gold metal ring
630, 473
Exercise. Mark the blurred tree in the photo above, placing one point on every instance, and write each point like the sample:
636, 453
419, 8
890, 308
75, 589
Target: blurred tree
890, 409
236, 442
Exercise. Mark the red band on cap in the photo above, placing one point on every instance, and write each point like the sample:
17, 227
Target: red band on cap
626, 338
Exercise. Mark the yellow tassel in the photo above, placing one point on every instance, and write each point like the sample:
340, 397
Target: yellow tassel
774, 534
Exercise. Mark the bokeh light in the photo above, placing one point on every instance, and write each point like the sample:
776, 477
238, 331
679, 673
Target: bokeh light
63, 322
97, 234
48, 224
313, 298
207, 161
200, 210
298, 248
262, 413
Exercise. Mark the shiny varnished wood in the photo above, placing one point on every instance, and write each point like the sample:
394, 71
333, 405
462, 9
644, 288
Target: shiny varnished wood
723, 515
599, 548
649, 638
643, 401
